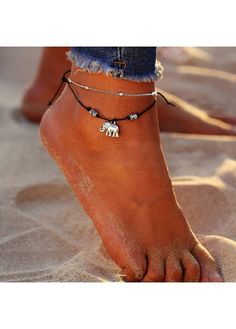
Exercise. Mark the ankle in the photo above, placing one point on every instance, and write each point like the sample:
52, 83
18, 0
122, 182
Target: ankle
109, 107
112, 105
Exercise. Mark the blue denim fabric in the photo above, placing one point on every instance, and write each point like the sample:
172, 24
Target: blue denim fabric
131, 63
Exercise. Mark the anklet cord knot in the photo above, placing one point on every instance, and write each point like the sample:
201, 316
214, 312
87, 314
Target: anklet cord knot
63, 80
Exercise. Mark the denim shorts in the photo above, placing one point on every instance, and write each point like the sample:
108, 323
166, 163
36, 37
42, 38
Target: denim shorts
130, 63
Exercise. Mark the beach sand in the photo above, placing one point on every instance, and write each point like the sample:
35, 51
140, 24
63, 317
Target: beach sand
45, 234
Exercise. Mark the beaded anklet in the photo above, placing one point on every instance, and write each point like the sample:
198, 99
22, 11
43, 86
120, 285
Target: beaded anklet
109, 127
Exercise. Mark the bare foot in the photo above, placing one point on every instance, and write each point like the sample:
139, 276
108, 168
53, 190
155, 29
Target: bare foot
36, 98
123, 183
185, 118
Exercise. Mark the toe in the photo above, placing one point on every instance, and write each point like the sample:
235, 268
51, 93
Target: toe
191, 267
173, 269
155, 271
209, 270
134, 271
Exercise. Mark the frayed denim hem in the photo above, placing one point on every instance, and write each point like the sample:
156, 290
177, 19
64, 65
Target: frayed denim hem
92, 65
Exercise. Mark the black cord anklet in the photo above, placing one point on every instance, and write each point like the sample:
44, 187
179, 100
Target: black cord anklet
110, 128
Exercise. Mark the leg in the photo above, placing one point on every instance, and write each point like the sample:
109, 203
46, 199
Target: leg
35, 100
123, 183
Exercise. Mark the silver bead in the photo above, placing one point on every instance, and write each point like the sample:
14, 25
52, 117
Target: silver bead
86, 88
121, 94
93, 113
133, 116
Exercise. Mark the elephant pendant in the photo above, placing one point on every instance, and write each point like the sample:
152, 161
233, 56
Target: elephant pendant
110, 129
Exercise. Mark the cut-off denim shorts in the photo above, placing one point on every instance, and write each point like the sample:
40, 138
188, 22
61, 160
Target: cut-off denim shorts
130, 63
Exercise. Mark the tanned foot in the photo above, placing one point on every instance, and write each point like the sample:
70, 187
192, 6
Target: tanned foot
36, 98
185, 118
123, 183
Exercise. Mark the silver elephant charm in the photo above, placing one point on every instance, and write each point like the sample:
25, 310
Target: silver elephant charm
110, 129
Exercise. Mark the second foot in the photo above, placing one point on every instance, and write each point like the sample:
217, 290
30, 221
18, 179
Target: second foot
185, 118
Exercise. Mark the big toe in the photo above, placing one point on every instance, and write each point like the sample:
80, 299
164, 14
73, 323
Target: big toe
209, 268
134, 270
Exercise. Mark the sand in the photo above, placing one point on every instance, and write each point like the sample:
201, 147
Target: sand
45, 234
